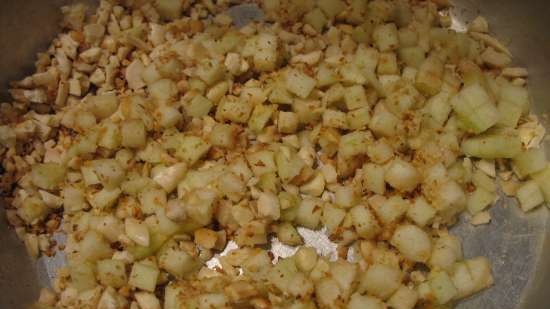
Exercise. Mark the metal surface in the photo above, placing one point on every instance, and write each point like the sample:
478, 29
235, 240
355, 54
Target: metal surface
26, 27
517, 244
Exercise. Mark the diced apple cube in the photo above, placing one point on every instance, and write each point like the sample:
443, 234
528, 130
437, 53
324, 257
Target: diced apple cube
402, 175
475, 109
73, 199
365, 222
354, 143
372, 178
352, 74
175, 261
144, 277
105, 198
109, 135
387, 64
383, 122
380, 151
198, 107
492, 146
151, 199
412, 242
391, 210
224, 135
509, 113
421, 212
112, 273
332, 217
262, 162
109, 172
94, 247
47, 176
331, 7
252, 234
403, 298
260, 117
82, 276
169, 9
317, 19
266, 57
442, 287
345, 196
287, 122
479, 200
299, 83
517, 95
386, 37
412, 56
358, 119
210, 71
529, 162
430, 76
191, 149
309, 213
103, 106
480, 269
163, 91
32, 210
358, 301
355, 97
133, 133
543, 180
234, 109
380, 280
326, 75
288, 234
334, 119
529, 196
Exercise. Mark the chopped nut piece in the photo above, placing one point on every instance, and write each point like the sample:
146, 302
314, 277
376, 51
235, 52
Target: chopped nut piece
134, 72
495, 59
481, 218
479, 24
491, 41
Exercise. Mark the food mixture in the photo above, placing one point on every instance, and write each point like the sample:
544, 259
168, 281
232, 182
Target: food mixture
155, 133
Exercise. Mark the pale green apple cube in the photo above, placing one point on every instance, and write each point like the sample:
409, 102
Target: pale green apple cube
144, 276
299, 83
529, 196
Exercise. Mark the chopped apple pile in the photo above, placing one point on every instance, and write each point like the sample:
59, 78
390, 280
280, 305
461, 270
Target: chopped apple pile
153, 133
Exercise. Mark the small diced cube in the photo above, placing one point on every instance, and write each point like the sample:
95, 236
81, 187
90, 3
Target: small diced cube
386, 37
299, 83
529, 196
144, 277
287, 122
133, 133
